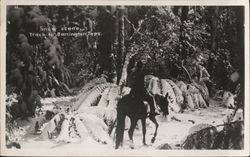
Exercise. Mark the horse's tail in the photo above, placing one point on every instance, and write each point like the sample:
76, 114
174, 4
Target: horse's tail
119, 128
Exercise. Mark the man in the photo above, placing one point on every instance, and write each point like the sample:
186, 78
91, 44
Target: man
138, 89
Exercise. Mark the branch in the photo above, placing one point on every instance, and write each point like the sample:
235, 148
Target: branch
109, 13
133, 26
134, 29
190, 79
123, 79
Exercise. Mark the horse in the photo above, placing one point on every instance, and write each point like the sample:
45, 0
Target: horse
136, 110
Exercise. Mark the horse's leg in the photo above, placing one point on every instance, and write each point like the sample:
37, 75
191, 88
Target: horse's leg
153, 119
143, 122
120, 129
131, 132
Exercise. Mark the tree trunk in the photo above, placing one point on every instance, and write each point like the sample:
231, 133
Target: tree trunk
240, 47
106, 26
121, 42
124, 74
214, 13
184, 13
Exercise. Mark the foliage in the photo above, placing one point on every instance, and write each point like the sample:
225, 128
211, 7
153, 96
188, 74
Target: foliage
183, 43
202, 138
14, 133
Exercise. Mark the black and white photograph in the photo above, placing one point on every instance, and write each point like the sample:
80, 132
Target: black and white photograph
125, 78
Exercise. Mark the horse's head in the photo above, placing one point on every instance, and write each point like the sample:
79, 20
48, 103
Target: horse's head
162, 102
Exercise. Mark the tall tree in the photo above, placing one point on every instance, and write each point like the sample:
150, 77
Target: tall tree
121, 42
213, 11
184, 15
105, 25
240, 45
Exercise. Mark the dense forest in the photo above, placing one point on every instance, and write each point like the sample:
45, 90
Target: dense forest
60, 51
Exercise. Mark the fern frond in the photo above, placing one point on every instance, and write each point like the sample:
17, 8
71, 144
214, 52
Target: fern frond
170, 82
92, 96
84, 92
168, 88
188, 100
192, 89
92, 83
147, 78
178, 93
104, 101
50, 127
154, 86
195, 99
182, 86
81, 129
64, 133
95, 127
107, 114
202, 103
204, 90
113, 97
48, 101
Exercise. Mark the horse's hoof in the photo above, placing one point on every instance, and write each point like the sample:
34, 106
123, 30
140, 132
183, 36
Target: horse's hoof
104, 142
153, 140
131, 145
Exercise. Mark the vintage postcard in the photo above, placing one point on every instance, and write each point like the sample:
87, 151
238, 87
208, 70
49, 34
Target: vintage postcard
124, 78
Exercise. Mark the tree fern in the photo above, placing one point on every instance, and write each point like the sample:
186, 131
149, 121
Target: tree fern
50, 127
188, 101
81, 129
96, 127
202, 103
195, 99
64, 133
92, 83
79, 126
182, 86
204, 90
85, 91
147, 79
177, 92
153, 86
113, 95
107, 114
91, 98
167, 90
104, 101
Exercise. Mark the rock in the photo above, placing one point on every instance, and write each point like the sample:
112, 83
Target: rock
231, 137
165, 146
201, 136
228, 100
238, 115
198, 127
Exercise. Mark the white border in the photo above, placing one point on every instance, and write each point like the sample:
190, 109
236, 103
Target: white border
94, 152
125, 2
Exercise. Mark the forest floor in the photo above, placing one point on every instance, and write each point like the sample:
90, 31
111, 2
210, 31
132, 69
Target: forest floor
172, 132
